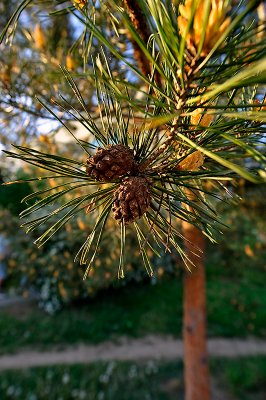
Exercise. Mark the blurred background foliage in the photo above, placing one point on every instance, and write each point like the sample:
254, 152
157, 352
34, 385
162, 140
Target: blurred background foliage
43, 41
50, 272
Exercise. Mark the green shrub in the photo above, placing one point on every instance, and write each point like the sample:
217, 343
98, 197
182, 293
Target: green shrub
11, 195
52, 273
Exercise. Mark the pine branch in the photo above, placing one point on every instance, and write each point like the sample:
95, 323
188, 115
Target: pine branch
143, 176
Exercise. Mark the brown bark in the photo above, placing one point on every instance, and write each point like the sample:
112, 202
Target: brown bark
140, 58
138, 18
140, 23
196, 371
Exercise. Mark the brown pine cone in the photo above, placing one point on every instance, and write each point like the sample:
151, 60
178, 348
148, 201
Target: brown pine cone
132, 199
111, 163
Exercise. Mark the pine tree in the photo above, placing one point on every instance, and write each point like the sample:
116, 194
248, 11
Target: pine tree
181, 107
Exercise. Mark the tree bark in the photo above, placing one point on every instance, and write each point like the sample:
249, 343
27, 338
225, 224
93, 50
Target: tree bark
196, 371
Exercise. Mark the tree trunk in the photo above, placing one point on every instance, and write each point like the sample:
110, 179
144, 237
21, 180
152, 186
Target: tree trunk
196, 371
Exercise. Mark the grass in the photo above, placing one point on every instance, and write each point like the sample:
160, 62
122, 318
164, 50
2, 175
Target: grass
101, 381
244, 378
235, 309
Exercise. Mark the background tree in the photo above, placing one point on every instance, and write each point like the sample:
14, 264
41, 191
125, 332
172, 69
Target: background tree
202, 110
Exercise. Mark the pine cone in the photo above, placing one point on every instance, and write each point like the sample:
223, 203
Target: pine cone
132, 199
111, 163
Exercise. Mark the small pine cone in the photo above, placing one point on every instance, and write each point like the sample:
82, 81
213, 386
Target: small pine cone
111, 163
132, 199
